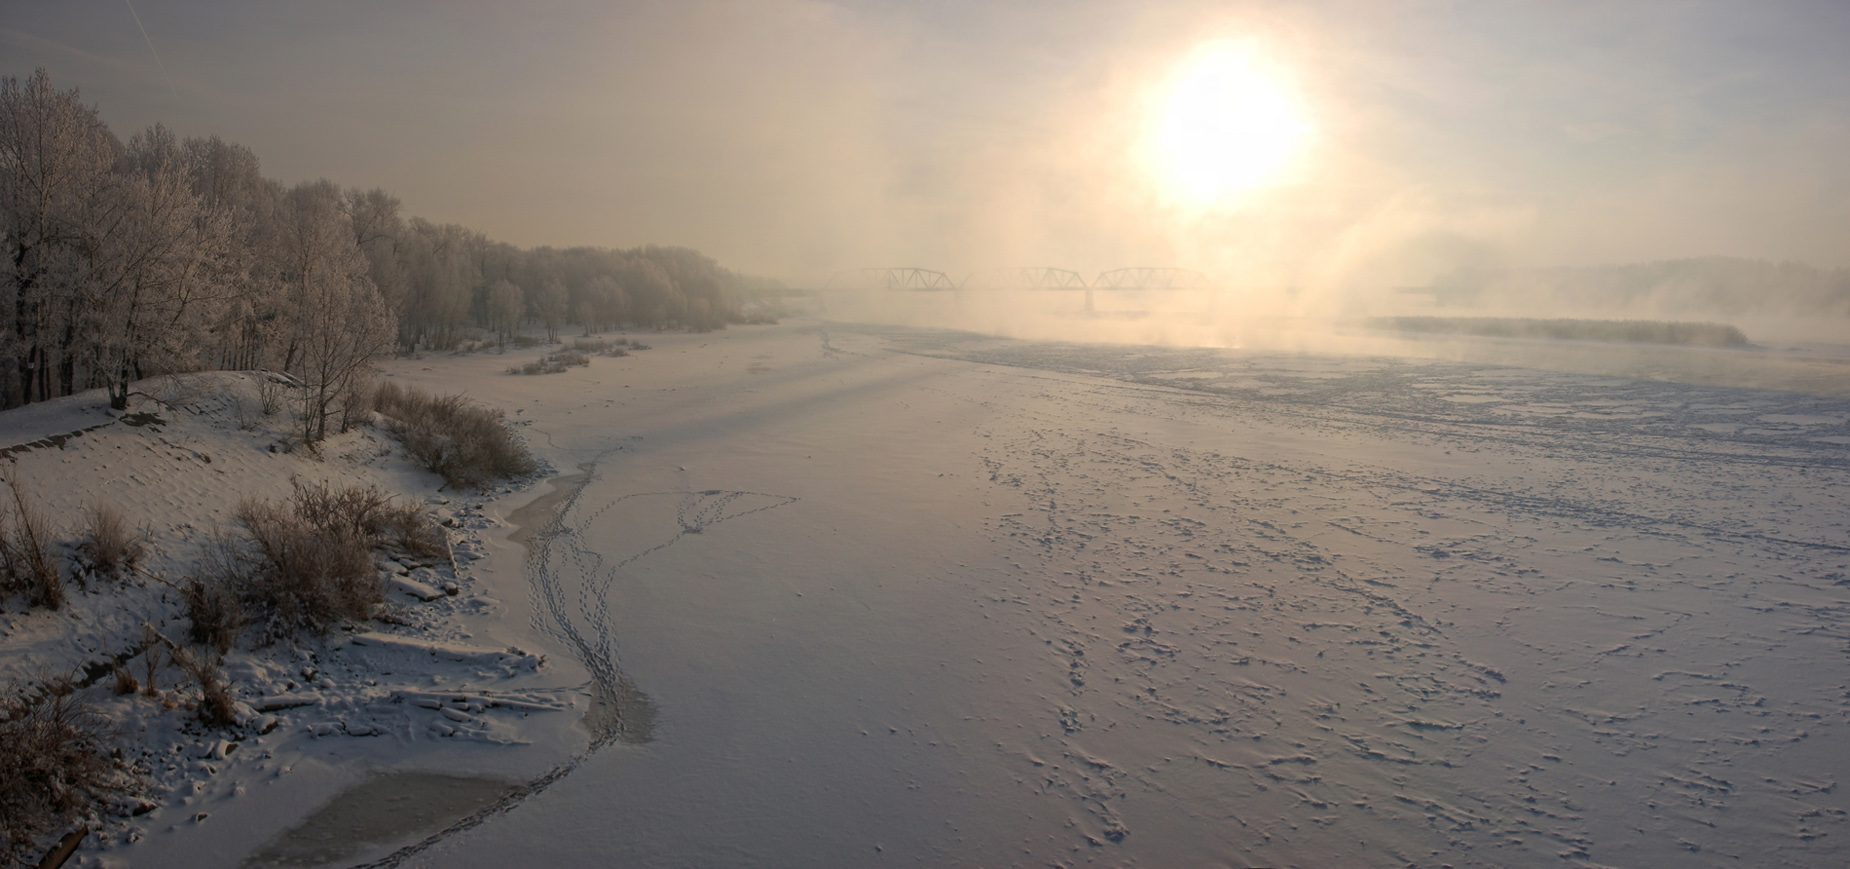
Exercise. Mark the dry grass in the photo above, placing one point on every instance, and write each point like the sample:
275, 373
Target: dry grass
213, 608
350, 512
216, 705
305, 564
27, 563
356, 403
605, 347
371, 514
125, 683
302, 576
464, 442
271, 394
57, 765
552, 363
108, 544
412, 531
151, 648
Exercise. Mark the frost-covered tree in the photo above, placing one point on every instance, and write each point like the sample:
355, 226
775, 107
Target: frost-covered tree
702, 288
338, 325
442, 274
650, 295
506, 306
167, 270
59, 202
377, 231
549, 302
230, 186
118, 262
601, 304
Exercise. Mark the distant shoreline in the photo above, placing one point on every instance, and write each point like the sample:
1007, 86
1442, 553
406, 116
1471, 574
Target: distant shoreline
1621, 331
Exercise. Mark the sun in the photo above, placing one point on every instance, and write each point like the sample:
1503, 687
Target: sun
1224, 123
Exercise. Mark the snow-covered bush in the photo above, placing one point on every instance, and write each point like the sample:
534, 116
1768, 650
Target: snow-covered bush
305, 564
552, 363
601, 346
300, 574
466, 443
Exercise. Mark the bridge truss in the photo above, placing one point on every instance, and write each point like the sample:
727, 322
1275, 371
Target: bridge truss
900, 278
1151, 279
1027, 278
1021, 278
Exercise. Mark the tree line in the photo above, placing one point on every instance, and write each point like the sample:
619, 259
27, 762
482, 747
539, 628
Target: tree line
124, 260
1706, 286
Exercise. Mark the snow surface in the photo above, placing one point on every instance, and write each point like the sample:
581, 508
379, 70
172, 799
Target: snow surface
821, 594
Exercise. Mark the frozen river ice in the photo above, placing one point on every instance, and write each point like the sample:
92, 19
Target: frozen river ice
873, 596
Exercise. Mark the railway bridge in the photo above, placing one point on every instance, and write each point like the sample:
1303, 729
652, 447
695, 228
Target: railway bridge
913, 278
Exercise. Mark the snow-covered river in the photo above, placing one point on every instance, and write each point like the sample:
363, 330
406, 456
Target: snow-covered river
876, 596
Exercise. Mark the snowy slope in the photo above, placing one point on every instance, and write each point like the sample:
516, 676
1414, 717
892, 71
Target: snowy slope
421, 692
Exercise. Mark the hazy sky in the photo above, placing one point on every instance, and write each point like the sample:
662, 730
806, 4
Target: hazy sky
796, 138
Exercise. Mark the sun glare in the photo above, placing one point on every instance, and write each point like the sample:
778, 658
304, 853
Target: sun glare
1224, 124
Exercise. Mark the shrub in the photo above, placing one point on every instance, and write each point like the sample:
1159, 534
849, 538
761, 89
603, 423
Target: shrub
552, 363
213, 608
108, 545
57, 764
603, 347
151, 659
270, 394
356, 403
389, 397
466, 443
353, 511
414, 532
217, 707
371, 514
302, 575
524, 341
306, 564
125, 683
26, 560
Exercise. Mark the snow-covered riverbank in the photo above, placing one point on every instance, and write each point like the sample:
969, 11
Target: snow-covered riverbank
437, 684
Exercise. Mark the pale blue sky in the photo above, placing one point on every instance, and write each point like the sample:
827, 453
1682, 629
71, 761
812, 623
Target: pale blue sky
795, 138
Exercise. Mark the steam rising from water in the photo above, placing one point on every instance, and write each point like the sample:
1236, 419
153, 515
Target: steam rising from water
1287, 322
